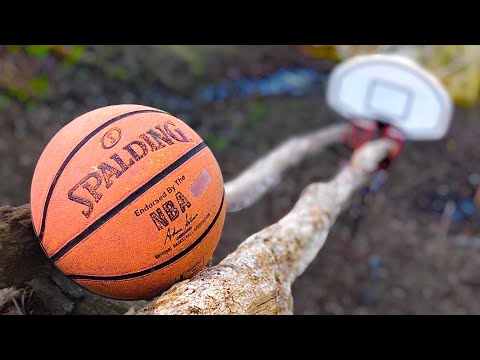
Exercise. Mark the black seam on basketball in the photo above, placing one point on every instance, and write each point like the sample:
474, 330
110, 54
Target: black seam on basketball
79, 232
125, 202
158, 266
75, 150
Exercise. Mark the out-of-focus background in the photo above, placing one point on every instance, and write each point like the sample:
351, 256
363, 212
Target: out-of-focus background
410, 249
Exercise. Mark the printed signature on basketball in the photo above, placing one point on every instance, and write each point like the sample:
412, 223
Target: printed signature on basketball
182, 234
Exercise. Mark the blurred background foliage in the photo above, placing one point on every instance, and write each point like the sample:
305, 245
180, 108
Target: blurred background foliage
457, 66
25, 69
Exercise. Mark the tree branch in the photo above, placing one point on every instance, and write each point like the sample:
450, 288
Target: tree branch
256, 278
21, 257
266, 172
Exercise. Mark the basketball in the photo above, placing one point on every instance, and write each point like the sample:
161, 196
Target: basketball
126, 200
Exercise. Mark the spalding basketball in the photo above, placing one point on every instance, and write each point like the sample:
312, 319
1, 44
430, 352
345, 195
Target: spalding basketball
127, 200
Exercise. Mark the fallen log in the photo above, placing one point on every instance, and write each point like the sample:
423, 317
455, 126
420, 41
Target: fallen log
257, 277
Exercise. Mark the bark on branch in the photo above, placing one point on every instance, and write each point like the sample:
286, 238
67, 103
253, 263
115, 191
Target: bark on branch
257, 277
21, 257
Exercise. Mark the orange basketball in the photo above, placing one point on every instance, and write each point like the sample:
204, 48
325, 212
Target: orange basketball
127, 200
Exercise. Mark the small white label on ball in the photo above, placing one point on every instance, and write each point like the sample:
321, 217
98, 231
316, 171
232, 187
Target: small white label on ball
199, 186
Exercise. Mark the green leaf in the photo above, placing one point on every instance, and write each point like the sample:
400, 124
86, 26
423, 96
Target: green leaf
18, 93
217, 142
12, 49
37, 50
4, 102
257, 112
76, 54
195, 61
31, 105
39, 85
222, 143
116, 72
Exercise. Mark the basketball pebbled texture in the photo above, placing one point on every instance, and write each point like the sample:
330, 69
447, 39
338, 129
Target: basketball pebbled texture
127, 200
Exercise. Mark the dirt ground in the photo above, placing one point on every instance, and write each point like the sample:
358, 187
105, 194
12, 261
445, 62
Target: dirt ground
388, 256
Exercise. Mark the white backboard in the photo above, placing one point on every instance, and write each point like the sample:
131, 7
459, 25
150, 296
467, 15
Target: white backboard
391, 89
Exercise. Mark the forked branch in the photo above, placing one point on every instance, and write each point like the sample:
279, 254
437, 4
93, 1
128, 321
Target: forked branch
257, 277
266, 172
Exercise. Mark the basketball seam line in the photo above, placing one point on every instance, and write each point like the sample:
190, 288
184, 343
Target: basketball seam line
158, 266
125, 202
72, 154
74, 235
